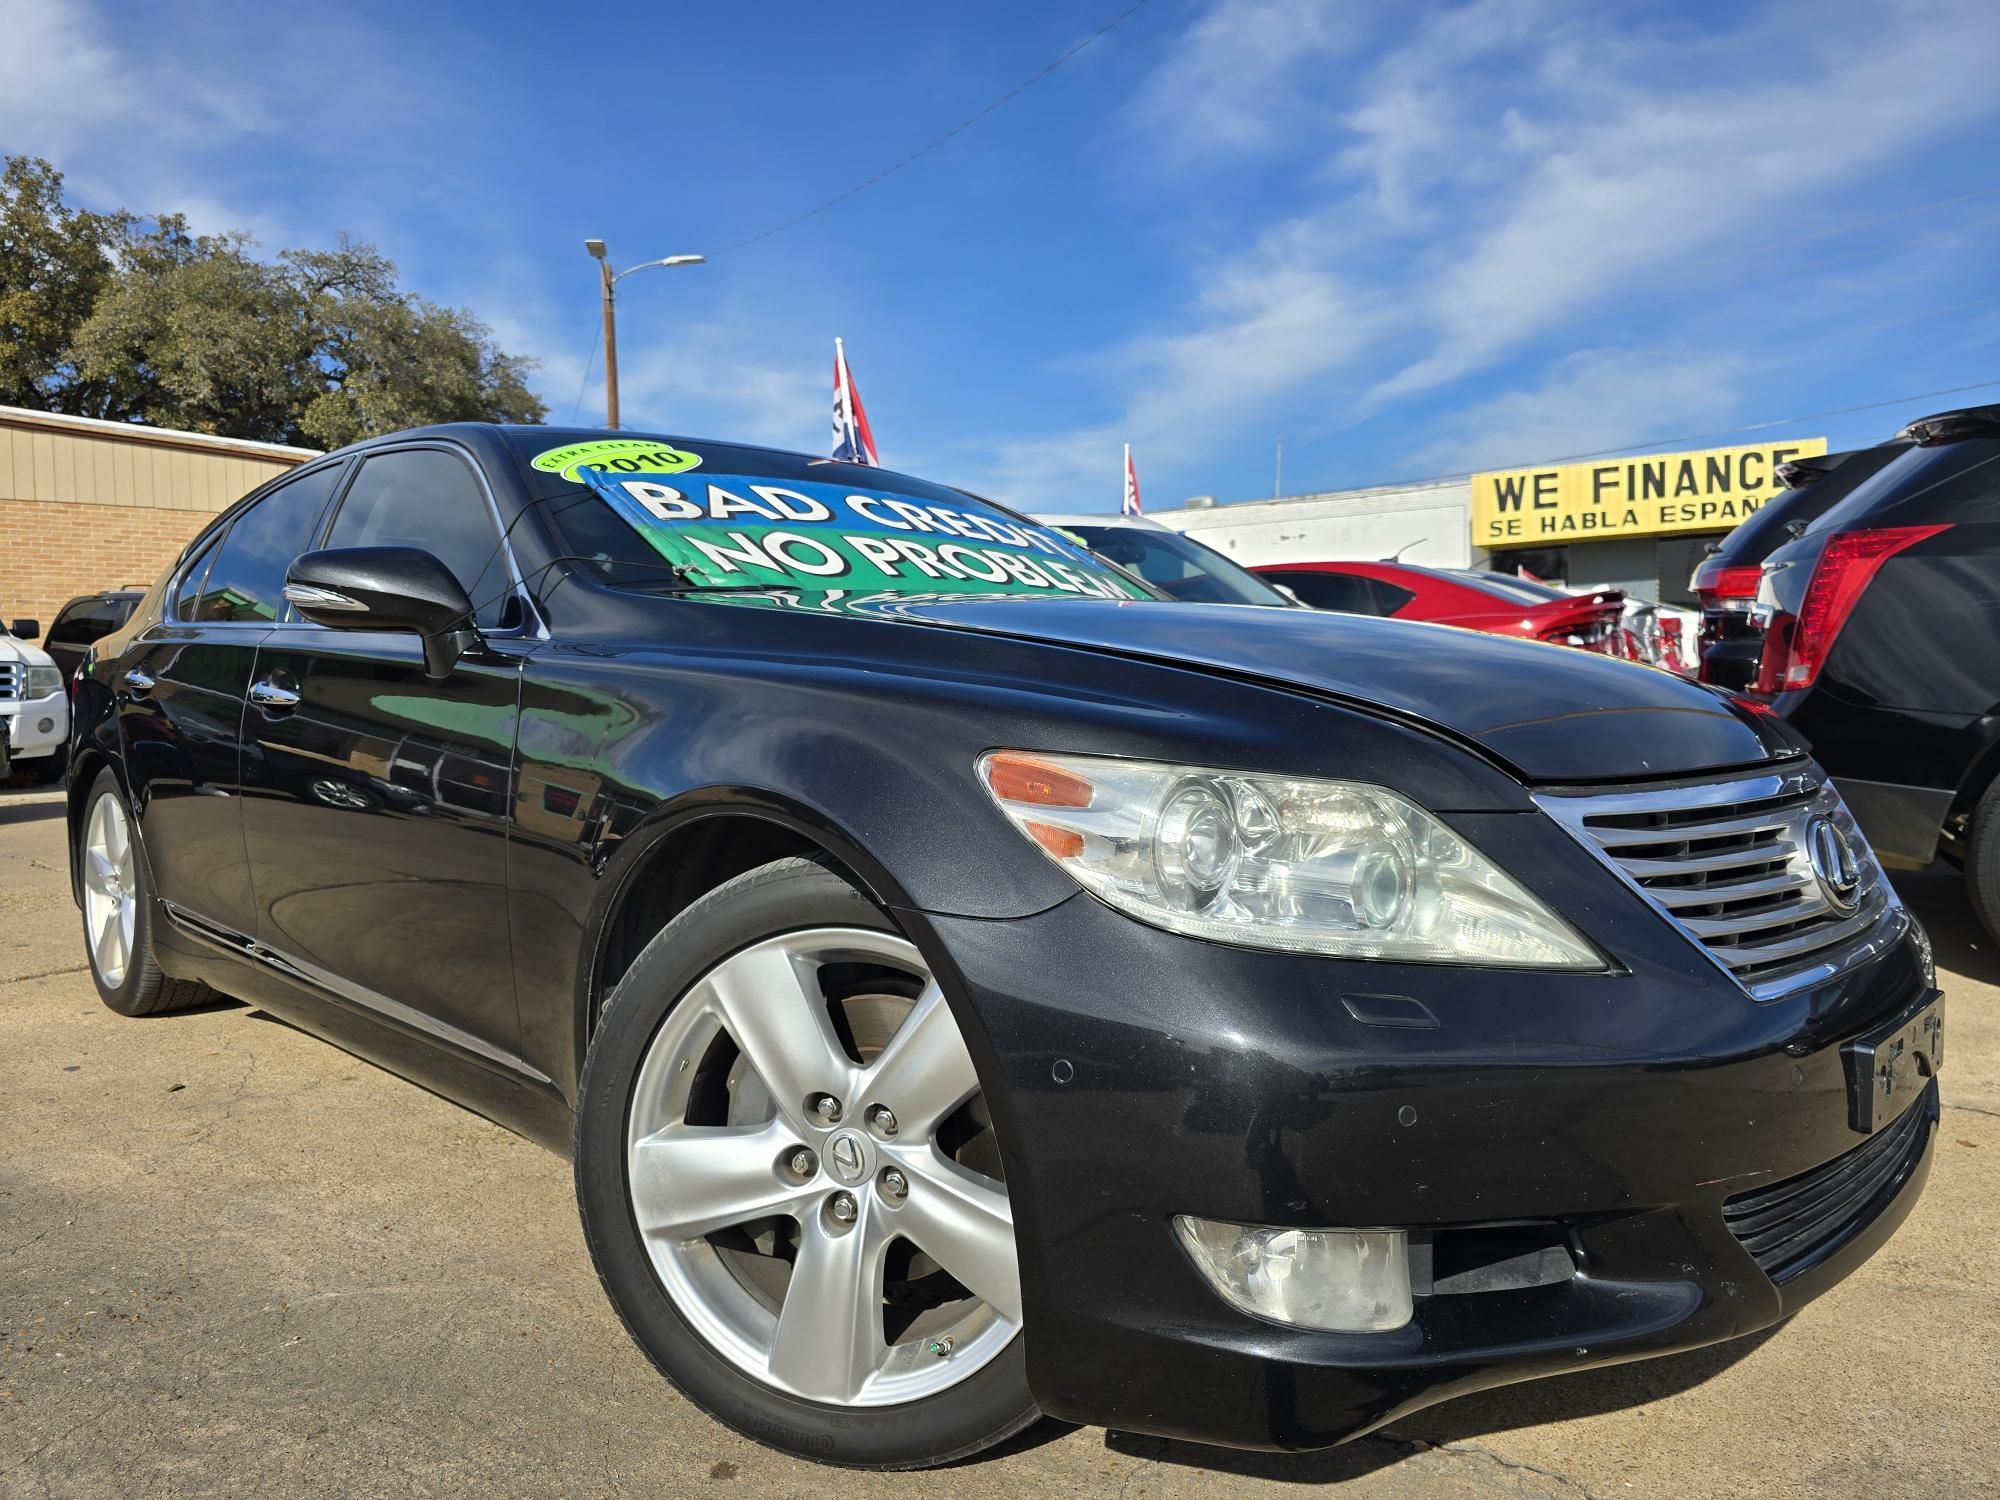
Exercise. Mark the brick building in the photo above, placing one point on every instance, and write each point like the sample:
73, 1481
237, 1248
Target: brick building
88, 505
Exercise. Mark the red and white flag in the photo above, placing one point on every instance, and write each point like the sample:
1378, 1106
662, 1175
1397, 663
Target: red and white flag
1130, 505
852, 441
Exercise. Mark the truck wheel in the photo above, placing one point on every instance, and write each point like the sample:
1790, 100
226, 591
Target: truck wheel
790, 1184
118, 913
1982, 860
49, 770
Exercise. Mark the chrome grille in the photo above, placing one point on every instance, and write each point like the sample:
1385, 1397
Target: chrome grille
1728, 862
10, 679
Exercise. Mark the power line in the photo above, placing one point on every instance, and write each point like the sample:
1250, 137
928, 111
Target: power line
971, 120
589, 364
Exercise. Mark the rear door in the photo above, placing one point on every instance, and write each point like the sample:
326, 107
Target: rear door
378, 798
180, 691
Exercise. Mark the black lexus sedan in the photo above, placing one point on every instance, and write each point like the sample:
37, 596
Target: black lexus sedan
971, 986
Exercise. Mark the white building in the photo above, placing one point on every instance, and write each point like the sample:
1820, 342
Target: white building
1426, 523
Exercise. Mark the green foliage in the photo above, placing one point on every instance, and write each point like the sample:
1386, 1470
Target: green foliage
55, 261
100, 316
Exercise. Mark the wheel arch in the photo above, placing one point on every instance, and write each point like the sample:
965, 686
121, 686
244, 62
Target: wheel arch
83, 773
686, 848
1983, 769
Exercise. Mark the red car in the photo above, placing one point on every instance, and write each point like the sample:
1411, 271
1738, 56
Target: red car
1461, 596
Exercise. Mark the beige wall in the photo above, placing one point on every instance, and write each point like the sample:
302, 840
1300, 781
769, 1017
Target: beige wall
90, 505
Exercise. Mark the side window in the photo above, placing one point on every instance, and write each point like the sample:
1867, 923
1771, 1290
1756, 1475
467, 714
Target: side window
188, 596
247, 579
82, 623
423, 497
1346, 592
1389, 597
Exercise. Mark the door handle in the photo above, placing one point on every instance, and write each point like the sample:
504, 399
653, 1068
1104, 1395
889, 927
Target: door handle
139, 681
267, 694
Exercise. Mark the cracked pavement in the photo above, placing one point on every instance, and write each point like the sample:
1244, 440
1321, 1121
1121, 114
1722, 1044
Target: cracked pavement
236, 1261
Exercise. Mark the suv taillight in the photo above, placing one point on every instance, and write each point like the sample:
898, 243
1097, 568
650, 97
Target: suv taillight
1796, 645
1714, 583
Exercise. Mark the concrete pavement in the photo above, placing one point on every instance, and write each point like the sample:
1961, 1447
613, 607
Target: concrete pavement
235, 1261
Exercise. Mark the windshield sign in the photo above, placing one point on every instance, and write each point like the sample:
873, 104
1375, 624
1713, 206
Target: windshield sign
739, 530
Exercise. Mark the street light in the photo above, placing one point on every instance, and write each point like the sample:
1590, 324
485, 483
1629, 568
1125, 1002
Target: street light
611, 279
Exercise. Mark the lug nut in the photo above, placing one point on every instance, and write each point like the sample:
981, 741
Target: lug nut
826, 1107
843, 1208
802, 1163
895, 1186
883, 1121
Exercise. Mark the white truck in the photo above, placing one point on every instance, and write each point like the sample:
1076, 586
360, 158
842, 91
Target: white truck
34, 706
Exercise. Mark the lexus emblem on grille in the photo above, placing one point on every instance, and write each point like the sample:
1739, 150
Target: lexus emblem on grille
1835, 864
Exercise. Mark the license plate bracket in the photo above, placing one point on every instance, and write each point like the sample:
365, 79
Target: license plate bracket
1888, 1067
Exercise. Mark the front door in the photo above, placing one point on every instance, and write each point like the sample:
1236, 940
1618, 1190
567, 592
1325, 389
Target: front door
376, 799
180, 688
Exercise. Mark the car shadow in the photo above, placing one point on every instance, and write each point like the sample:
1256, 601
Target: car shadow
1556, 1398
1938, 898
17, 810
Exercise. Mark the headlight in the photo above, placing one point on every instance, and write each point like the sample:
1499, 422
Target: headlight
1305, 866
42, 681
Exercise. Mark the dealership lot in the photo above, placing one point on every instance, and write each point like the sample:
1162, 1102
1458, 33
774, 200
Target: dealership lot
236, 1261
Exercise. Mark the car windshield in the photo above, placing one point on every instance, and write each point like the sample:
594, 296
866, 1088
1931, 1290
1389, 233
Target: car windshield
1178, 566
659, 514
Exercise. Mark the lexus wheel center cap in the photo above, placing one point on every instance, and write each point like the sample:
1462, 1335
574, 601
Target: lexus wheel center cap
848, 1157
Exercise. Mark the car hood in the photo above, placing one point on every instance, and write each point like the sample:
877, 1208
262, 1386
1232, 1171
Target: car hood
1550, 713
12, 648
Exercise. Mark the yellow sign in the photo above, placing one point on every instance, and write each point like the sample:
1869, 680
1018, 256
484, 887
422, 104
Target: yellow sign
1648, 496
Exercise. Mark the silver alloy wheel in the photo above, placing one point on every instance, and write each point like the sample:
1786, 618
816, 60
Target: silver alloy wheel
110, 889
863, 1193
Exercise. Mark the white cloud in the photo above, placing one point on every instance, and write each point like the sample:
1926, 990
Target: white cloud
1593, 400
1635, 162
1260, 325
1492, 183
1241, 73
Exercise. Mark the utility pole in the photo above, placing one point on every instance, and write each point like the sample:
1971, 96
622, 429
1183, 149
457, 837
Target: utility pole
611, 279
1278, 473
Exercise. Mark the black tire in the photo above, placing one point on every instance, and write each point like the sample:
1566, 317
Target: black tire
1982, 860
50, 770
788, 895
144, 989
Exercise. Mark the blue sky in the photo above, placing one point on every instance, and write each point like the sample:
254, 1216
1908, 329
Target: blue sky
1412, 239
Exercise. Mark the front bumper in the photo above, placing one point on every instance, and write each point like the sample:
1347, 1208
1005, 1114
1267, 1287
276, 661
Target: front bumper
27, 740
1144, 1075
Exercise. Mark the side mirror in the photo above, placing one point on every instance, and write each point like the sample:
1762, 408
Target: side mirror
25, 630
386, 588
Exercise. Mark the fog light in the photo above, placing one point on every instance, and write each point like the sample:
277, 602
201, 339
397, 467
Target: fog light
45, 726
1341, 1280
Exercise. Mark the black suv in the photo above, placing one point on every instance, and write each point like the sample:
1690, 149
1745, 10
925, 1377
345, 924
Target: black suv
83, 622
1883, 647
917, 931
1732, 629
